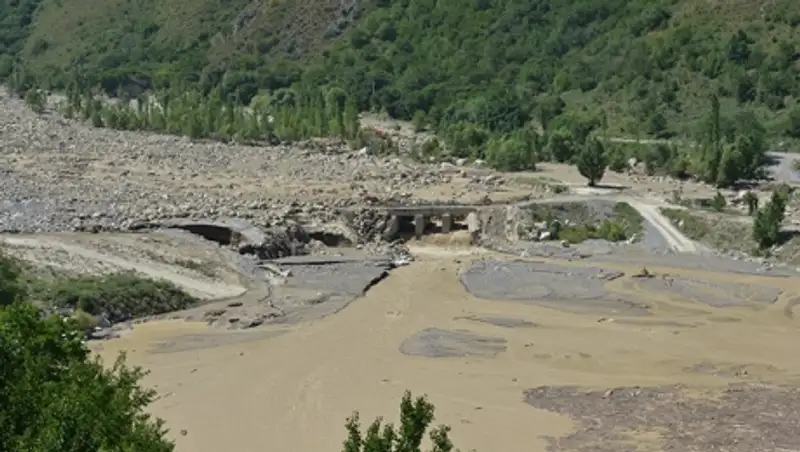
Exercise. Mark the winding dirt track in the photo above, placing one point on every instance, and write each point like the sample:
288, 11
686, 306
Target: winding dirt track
674, 237
196, 287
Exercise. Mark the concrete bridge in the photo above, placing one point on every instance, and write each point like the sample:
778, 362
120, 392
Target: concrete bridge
421, 216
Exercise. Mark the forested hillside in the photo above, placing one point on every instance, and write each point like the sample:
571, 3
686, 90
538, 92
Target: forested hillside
645, 67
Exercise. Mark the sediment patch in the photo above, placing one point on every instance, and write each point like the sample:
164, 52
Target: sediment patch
504, 322
743, 418
347, 278
528, 281
713, 294
577, 289
440, 343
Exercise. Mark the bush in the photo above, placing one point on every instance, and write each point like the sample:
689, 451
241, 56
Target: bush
55, 397
767, 223
575, 234
718, 202
415, 418
612, 231
11, 288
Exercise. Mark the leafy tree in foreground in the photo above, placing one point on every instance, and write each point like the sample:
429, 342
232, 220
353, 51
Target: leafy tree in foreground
592, 162
415, 418
55, 397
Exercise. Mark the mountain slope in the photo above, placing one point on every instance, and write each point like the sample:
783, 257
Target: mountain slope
647, 66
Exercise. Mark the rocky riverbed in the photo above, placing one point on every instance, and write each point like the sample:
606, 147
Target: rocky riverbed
58, 174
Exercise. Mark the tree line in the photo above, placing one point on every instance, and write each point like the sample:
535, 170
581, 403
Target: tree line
727, 150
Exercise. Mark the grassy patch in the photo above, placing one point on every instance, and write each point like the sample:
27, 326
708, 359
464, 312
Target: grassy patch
629, 217
717, 231
120, 296
729, 233
578, 222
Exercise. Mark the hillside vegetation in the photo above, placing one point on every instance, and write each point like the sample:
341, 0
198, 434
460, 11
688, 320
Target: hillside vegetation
647, 65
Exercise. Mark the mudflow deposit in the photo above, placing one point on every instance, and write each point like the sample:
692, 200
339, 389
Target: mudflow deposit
323, 296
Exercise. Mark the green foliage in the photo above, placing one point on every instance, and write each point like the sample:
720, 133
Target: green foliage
283, 115
561, 146
793, 123
751, 200
648, 64
121, 296
592, 162
56, 397
617, 160
11, 288
36, 100
718, 202
625, 223
416, 416
768, 219
510, 154
474, 73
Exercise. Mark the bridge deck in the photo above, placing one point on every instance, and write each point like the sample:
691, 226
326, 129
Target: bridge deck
428, 211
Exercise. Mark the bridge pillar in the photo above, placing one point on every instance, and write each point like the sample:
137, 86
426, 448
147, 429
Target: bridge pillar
419, 225
447, 222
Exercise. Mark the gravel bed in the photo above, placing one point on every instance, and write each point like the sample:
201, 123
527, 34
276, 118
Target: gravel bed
62, 175
744, 418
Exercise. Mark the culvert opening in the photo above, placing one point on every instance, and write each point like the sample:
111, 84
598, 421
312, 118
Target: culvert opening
407, 227
219, 234
330, 239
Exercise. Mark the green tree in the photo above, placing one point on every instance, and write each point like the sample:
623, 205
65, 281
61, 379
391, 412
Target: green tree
617, 160
560, 146
767, 223
592, 162
510, 154
56, 397
793, 123
548, 108
730, 166
712, 143
416, 416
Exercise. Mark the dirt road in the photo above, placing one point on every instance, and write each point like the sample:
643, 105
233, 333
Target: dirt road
675, 238
195, 286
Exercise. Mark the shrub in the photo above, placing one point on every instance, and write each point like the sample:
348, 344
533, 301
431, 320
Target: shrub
718, 202
55, 397
11, 288
415, 418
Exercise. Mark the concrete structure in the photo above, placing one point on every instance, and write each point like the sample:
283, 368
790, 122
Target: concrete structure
421, 216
